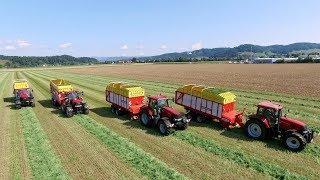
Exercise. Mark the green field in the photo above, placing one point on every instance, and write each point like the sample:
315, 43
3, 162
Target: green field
41, 143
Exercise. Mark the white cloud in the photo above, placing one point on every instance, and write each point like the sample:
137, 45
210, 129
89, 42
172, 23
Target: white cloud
196, 46
23, 43
10, 47
163, 47
65, 45
124, 47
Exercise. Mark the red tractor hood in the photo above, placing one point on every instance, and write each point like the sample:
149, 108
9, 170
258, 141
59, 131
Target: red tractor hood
76, 101
170, 112
23, 94
287, 123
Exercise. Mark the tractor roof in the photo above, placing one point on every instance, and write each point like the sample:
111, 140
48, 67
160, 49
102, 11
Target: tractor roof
269, 104
156, 97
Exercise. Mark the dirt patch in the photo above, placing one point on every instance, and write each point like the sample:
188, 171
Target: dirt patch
296, 79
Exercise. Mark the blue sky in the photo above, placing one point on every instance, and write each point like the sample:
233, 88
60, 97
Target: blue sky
149, 27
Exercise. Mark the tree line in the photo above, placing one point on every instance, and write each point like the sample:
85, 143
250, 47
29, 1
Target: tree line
34, 61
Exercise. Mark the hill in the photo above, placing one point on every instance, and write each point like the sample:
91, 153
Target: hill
33, 61
240, 52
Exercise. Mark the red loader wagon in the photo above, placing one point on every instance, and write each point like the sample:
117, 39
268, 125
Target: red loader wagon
203, 103
125, 99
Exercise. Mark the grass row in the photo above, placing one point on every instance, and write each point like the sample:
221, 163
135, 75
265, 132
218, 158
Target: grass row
237, 156
43, 162
145, 163
142, 161
254, 163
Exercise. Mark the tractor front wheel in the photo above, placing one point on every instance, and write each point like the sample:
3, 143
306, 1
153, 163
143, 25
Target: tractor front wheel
164, 129
18, 106
294, 141
255, 129
69, 111
85, 109
145, 119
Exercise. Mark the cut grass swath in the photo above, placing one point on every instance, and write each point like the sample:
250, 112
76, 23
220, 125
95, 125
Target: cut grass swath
237, 156
43, 161
142, 161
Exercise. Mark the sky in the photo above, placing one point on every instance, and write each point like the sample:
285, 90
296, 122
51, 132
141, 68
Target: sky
150, 27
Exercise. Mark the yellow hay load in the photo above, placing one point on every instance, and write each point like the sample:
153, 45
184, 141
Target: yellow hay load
212, 94
20, 84
61, 85
126, 90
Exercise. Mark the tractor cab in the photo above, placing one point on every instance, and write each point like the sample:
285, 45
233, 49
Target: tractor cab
159, 102
269, 111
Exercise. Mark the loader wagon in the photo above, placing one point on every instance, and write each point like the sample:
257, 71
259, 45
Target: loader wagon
65, 97
202, 103
125, 98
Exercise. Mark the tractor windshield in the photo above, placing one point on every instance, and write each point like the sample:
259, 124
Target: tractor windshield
163, 102
73, 95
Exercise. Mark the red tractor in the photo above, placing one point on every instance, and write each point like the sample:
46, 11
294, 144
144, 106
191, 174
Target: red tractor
70, 101
158, 112
22, 94
269, 122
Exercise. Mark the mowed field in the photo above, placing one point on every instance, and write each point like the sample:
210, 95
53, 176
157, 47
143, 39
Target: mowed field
41, 143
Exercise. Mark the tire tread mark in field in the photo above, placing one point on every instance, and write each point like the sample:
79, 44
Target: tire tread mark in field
260, 161
144, 162
82, 160
237, 156
44, 163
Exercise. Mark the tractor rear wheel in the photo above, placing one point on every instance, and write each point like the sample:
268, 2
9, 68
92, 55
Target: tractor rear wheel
255, 129
145, 119
69, 111
294, 141
164, 129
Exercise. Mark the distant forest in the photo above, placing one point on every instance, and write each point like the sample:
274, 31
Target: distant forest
34, 61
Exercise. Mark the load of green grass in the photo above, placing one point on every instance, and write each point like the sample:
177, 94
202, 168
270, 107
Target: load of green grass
42, 159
